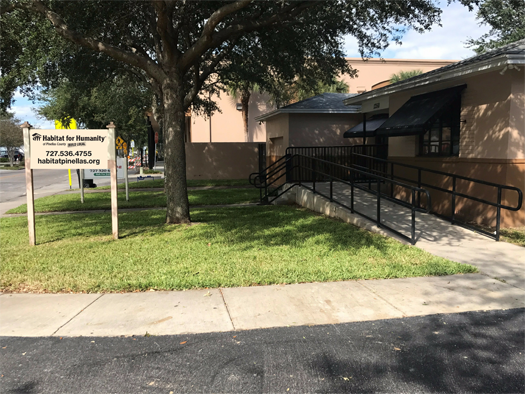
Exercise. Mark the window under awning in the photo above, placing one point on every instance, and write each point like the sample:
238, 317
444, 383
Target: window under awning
371, 126
416, 114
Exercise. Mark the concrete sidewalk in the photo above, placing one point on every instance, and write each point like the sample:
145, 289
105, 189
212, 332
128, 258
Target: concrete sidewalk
245, 308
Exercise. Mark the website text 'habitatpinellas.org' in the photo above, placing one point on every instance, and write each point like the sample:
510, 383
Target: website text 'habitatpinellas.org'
69, 161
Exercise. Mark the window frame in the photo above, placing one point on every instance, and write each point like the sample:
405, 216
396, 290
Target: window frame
449, 117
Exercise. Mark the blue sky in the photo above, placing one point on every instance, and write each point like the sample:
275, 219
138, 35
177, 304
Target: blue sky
442, 42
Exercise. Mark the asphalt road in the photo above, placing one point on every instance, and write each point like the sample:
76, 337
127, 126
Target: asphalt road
468, 352
13, 183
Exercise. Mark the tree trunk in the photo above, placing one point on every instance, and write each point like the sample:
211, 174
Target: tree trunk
178, 209
245, 100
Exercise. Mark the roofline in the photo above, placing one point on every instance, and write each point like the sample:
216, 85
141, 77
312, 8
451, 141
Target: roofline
482, 66
391, 60
353, 109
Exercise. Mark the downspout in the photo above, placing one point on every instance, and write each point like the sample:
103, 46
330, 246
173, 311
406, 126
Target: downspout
364, 132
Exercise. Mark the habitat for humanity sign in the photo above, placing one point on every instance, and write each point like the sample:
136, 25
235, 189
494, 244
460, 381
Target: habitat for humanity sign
63, 149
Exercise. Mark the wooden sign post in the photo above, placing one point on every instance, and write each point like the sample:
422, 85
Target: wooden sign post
112, 165
30, 191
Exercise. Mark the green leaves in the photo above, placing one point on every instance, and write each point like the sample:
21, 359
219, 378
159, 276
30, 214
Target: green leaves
506, 19
402, 75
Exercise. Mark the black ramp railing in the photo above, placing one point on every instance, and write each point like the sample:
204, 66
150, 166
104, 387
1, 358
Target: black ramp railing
349, 164
314, 170
420, 181
317, 169
270, 179
343, 155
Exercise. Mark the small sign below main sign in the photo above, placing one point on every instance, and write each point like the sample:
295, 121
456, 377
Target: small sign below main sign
96, 174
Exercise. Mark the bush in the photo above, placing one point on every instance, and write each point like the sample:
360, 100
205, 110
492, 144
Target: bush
4, 160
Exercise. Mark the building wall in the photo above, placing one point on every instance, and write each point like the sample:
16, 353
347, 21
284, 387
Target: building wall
485, 108
227, 125
516, 141
374, 71
278, 137
221, 160
492, 146
321, 129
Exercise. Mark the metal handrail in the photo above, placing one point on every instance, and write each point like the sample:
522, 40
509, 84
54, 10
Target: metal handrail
455, 194
353, 171
290, 150
263, 183
260, 173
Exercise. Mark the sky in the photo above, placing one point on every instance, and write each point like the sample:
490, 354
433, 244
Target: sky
442, 42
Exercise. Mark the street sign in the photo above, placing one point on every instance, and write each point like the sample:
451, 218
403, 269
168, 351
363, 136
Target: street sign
62, 149
125, 149
156, 137
132, 143
119, 142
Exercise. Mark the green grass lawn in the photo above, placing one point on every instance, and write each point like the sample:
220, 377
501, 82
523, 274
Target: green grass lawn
513, 235
225, 247
142, 199
159, 183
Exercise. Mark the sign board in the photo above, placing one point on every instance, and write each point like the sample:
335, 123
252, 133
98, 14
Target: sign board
132, 143
156, 137
101, 173
63, 149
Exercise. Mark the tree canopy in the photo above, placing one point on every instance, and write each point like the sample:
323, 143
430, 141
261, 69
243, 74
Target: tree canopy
121, 100
182, 48
506, 19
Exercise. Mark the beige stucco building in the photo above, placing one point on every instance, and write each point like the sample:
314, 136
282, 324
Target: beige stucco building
317, 121
467, 118
227, 125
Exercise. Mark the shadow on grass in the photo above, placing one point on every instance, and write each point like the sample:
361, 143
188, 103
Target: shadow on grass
137, 199
242, 227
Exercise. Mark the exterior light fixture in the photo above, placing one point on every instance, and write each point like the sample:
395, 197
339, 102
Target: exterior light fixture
239, 107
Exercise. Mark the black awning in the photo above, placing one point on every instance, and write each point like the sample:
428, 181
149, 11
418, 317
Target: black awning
413, 117
371, 126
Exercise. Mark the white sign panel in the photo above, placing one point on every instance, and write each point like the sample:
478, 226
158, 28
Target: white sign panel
97, 174
75, 149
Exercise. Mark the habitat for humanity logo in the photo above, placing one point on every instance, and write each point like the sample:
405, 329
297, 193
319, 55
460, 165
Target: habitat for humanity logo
36, 137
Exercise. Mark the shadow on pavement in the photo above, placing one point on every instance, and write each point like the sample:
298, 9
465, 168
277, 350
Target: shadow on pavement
468, 352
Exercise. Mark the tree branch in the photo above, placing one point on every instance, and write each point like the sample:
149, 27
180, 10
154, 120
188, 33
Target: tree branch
208, 40
165, 29
202, 44
7, 8
141, 61
206, 72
